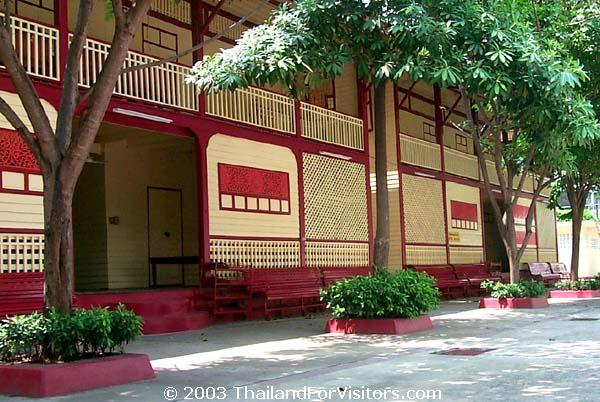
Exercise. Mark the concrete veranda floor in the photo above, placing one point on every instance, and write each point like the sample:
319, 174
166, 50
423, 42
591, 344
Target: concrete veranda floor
541, 355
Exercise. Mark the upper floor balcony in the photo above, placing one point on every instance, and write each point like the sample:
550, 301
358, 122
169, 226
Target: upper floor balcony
38, 47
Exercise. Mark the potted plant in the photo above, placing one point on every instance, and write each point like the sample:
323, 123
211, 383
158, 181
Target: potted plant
524, 294
381, 303
39, 352
581, 289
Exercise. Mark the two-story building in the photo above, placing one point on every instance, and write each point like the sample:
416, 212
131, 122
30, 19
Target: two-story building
246, 178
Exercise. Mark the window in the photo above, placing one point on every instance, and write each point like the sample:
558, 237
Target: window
157, 41
429, 132
461, 143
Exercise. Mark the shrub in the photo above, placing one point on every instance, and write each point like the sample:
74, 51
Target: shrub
501, 290
384, 294
60, 337
583, 284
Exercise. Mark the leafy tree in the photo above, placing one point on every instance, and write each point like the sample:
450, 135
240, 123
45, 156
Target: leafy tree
519, 93
574, 28
62, 152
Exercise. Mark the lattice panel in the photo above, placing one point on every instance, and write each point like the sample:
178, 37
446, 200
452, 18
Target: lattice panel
329, 254
21, 253
423, 210
466, 255
335, 203
256, 253
425, 255
546, 229
14, 152
548, 255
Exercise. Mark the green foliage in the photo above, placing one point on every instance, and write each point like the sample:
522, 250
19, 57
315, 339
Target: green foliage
399, 294
501, 290
583, 284
566, 215
61, 337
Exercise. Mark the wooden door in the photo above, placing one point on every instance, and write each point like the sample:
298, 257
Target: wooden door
165, 233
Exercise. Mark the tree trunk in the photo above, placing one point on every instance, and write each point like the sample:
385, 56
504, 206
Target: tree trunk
58, 254
382, 236
511, 246
577, 210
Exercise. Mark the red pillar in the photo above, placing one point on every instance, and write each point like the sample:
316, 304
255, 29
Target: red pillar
61, 22
198, 16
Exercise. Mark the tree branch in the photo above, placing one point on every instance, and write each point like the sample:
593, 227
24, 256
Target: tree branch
525, 172
70, 92
29, 98
117, 6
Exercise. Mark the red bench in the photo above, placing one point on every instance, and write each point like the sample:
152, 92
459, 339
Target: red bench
475, 274
285, 284
332, 275
21, 293
540, 271
560, 268
446, 279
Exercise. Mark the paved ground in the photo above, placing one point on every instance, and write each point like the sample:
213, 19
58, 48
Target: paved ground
539, 355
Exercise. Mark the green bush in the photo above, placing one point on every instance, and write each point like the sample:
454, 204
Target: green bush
583, 284
501, 290
61, 337
384, 294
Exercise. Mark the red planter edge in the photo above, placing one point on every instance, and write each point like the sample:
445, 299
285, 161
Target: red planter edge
518, 302
395, 326
574, 294
44, 380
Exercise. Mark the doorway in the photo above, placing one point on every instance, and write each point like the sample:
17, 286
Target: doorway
495, 251
165, 235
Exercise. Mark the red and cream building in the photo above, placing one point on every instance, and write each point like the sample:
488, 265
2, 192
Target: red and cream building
244, 178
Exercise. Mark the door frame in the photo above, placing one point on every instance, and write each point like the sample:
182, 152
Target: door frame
175, 190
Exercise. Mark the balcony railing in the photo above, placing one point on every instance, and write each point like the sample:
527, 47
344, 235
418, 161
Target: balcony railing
254, 106
418, 152
36, 46
161, 84
332, 127
461, 164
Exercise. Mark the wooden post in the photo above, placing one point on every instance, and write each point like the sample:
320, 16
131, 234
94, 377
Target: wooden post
61, 21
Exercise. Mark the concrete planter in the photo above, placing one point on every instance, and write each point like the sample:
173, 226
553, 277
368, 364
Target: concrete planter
517, 302
574, 294
395, 326
44, 380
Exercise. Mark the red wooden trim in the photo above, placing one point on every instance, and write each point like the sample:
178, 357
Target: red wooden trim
425, 99
301, 212
253, 238
463, 211
211, 17
21, 231
256, 177
203, 202
426, 244
337, 241
400, 179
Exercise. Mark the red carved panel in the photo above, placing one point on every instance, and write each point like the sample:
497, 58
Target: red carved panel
253, 182
521, 211
14, 152
521, 238
463, 215
463, 210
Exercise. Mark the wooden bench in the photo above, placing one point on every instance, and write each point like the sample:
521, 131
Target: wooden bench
332, 275
540, 271
21, 293
285, 284
475, 274
560, 268
446, 280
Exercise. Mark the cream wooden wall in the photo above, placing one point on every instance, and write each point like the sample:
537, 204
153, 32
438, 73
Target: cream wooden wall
130, 169
470, 240
346, 91
238, 151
